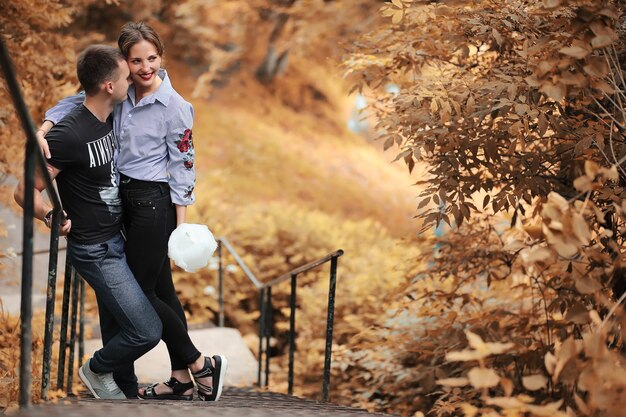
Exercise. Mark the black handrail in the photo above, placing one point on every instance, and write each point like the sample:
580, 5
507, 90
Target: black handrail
73, 295
33, 157
49, 322
304, 268
265, 307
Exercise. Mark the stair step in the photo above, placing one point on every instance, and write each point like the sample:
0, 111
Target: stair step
155, 365
235, 402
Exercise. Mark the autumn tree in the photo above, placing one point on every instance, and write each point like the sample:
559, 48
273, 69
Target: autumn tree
219, 43
517, 109
267, 36
44, 62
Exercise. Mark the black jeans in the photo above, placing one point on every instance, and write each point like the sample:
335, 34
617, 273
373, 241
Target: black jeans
149, 219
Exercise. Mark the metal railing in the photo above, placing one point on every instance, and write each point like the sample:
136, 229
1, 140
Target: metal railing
33, 157
265, 305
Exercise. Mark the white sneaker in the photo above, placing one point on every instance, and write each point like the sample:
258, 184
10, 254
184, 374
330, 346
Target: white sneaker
102, 386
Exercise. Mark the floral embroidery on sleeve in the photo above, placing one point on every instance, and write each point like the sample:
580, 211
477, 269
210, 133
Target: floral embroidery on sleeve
188, 161
188, 191
185, 145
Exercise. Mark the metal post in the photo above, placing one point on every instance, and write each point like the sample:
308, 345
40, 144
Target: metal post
292, 332
26, 308
26, 303
329, 328
268, 335
70, 363
69, 271
50, 295
33, 155
81, 334
221, 288
261, 333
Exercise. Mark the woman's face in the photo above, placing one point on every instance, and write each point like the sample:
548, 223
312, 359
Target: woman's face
144, 63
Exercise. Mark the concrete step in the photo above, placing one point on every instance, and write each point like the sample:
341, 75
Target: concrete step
155, 365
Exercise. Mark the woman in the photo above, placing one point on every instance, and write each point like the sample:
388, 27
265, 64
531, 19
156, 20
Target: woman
156, 166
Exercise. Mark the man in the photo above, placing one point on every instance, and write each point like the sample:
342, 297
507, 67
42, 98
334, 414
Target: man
83, 149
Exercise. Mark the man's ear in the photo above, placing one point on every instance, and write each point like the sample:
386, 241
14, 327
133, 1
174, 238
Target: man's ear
108, 87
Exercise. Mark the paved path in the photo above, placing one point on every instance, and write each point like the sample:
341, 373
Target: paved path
234, 402
155, 365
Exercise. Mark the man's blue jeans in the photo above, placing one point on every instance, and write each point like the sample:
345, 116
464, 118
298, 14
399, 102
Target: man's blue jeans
104, 267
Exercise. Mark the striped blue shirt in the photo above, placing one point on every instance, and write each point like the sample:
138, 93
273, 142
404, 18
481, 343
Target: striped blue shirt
154, 135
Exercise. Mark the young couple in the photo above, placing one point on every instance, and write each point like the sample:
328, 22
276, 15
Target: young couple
122, 155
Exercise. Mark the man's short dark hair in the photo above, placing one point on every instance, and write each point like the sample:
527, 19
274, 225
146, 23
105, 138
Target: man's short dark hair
97, 64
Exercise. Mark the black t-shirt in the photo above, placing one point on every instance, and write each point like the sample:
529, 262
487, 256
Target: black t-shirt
82, 147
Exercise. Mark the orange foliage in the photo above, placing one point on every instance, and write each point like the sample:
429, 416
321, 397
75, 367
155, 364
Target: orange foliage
516, 108
43, 59
10, 362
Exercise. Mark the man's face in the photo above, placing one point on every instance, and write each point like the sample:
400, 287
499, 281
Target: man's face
120, 87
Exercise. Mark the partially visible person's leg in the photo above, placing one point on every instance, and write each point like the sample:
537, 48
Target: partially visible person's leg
150, 219
104, 267
125, 376
166, 292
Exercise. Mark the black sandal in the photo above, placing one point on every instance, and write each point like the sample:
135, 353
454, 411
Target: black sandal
177, 387
217, 372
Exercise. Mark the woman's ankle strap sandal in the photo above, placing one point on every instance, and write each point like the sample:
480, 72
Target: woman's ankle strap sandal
217, 373
177, 387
